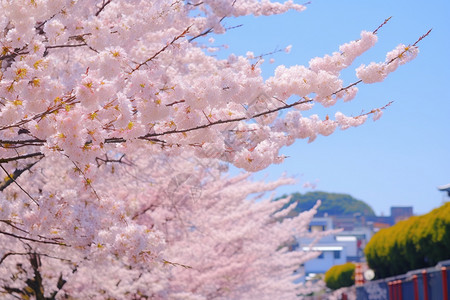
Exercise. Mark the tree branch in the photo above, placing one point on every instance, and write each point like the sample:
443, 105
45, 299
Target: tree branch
9, 254
71, 100
102, 7
162, 49
31, 239
12, 178
9, 159
153, 136
385, 21
228, 120
66, 46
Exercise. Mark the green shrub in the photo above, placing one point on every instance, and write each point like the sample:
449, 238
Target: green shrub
415, 243
340, 276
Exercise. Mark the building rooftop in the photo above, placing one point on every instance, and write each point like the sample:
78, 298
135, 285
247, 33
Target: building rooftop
444, 188
323, 248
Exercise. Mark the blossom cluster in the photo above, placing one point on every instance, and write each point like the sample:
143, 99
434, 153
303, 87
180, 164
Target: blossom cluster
80, 78
171, 228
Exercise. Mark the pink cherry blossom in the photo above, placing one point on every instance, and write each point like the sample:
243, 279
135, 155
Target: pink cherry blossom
115, 125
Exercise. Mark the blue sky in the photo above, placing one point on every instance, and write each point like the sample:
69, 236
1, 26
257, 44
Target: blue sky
400, 159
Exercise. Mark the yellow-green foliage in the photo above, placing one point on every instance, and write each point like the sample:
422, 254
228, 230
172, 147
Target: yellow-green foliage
340, 276
411, 244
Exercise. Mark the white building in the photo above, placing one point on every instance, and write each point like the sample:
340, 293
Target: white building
336, 249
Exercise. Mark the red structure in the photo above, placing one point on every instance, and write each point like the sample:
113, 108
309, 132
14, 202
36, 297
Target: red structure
416, 287
394, 287
359, 276
444, 283
425, 285
391, 291
399, 287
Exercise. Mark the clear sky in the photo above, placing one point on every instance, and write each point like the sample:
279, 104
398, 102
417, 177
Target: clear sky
400, 159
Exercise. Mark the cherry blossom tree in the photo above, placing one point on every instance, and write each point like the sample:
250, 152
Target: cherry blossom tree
200, 235
94, 94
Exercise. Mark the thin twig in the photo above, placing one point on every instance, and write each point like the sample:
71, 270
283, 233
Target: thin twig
14, 180
162, 49
103, 7
9, 159
71, 100
302, 101
408, 47
66, 46
30, 239
422, 37
11, 178
87, 181
385, 21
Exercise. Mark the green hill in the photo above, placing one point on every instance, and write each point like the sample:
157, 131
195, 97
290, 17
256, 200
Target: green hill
332, 204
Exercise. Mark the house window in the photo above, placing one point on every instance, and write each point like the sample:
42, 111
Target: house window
316, 228
337, 254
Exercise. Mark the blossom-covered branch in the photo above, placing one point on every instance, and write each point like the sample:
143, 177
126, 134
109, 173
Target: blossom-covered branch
84, 103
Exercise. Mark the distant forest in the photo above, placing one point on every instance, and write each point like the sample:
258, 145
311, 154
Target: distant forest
332, 204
